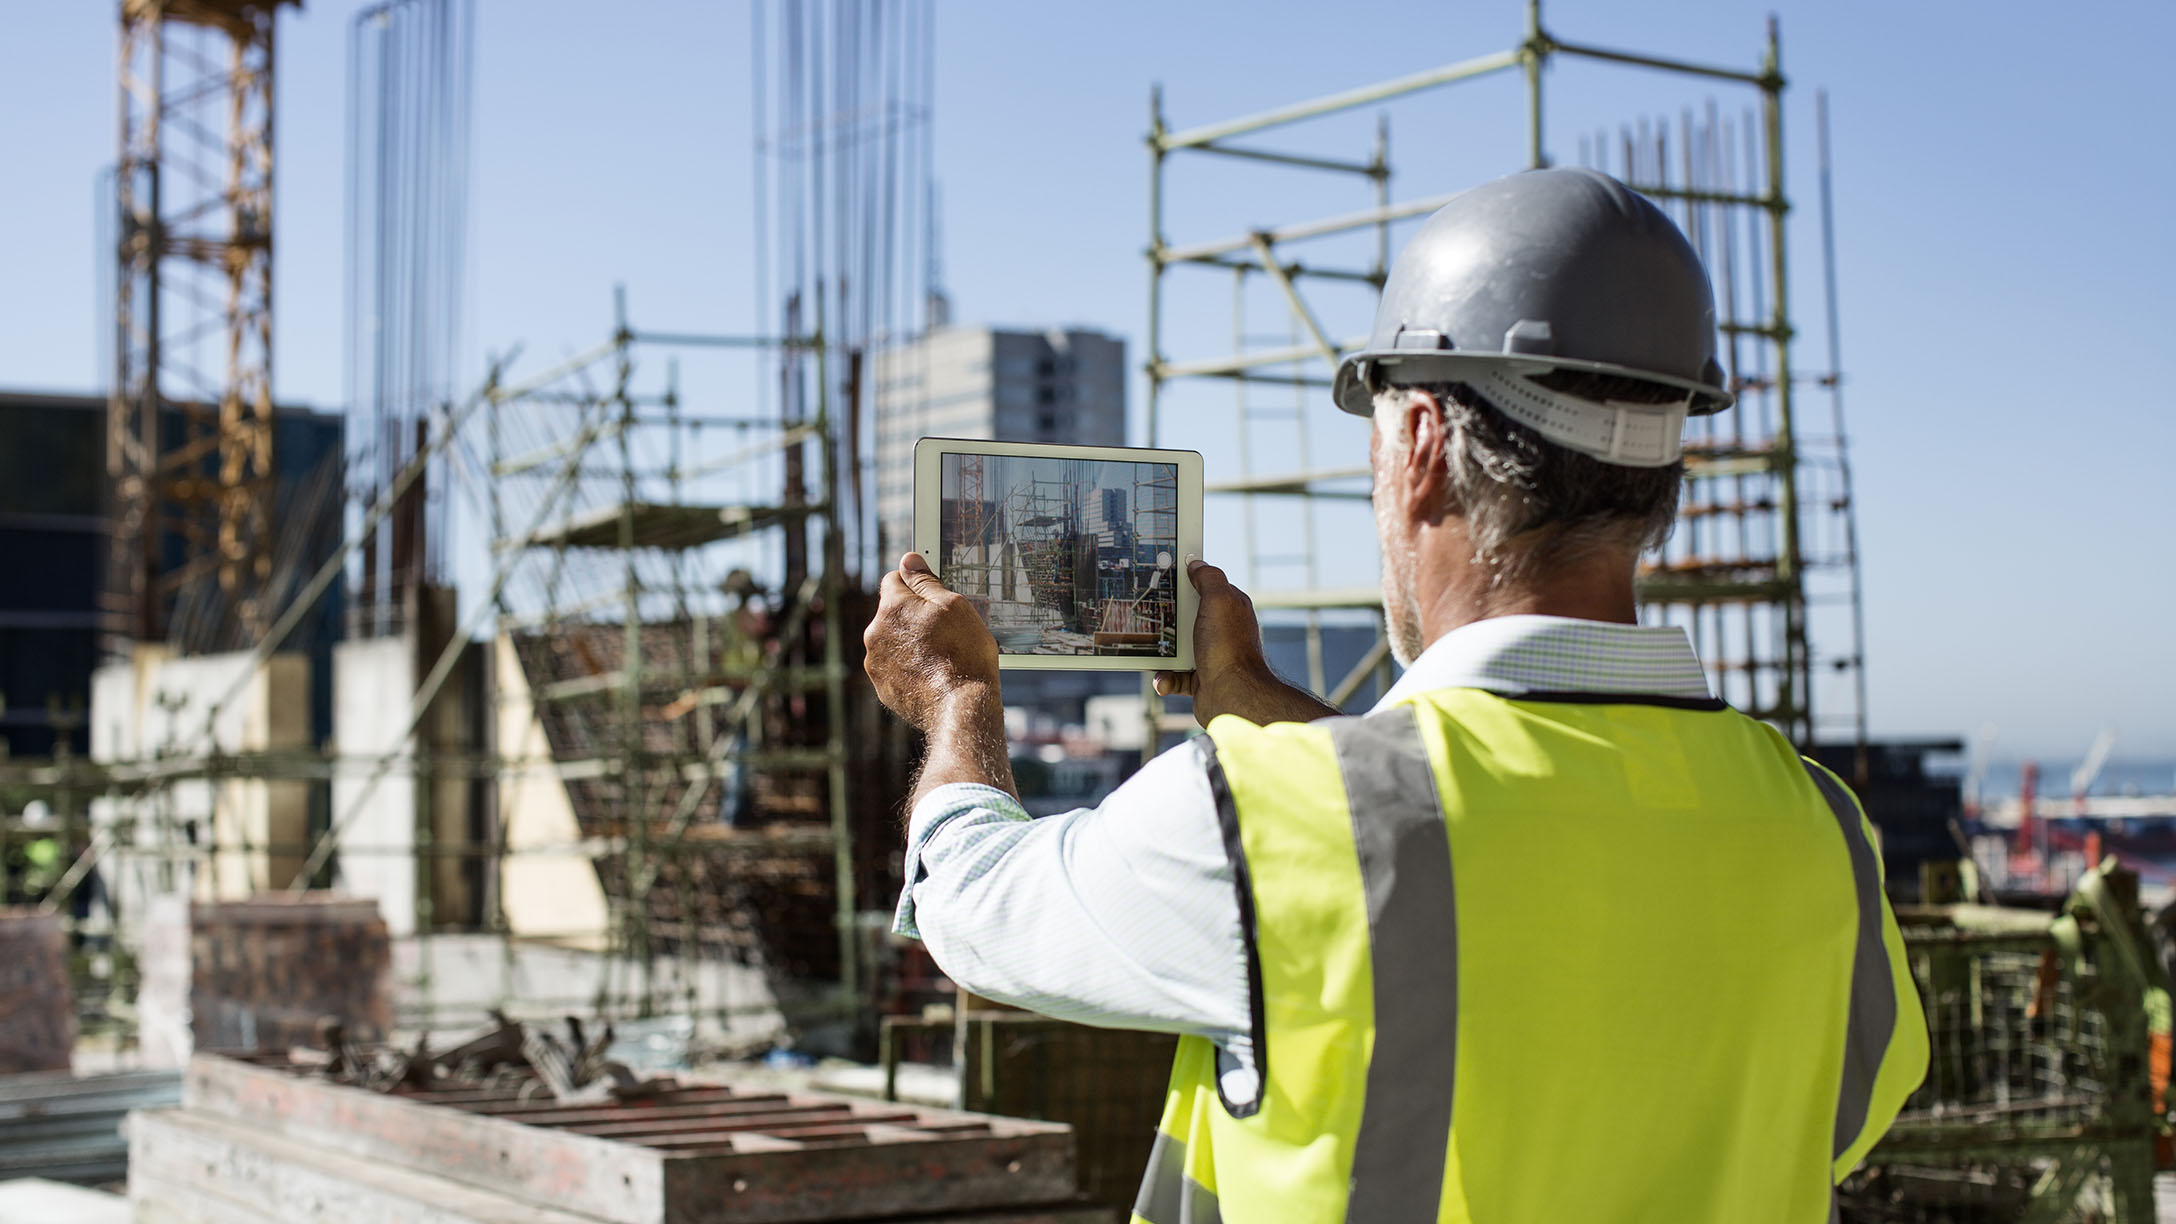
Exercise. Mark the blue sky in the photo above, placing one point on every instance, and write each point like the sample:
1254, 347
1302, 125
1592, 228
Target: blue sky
2002, 198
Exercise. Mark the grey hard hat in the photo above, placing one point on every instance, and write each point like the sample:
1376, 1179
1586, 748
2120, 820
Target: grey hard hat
1547, 269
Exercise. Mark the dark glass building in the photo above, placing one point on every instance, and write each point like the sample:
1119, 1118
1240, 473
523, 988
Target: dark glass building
53, 559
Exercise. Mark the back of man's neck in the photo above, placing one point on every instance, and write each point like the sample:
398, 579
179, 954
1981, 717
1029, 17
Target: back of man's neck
1575, 594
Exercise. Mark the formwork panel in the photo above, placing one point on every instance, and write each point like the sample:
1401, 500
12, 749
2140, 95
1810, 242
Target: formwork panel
684, 1154
187, 1166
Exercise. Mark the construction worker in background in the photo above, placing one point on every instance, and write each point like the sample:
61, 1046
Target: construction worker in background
1552, 934
33, 864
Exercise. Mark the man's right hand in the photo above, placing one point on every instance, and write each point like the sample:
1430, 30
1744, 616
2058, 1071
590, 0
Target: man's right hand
1231, 675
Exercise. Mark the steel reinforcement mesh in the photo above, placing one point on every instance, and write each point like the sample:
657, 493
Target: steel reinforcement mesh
2015, 1104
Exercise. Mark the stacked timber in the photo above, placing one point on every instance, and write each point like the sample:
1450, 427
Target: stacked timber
262, 973
261, 1140
37, 1004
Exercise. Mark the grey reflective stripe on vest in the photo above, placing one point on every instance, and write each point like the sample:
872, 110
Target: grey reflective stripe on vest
1405, 866
1873, 991
1168, 1195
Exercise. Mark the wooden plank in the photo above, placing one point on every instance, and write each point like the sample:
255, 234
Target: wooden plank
1082, 1213
222, 1166
156, 1200
170, 1203
877, 1181
511, 1107
772, 1123
581, 1115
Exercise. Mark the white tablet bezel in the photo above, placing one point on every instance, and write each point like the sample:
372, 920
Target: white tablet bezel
928, 497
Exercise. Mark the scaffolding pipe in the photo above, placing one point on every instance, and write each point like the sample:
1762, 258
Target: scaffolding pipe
1323, 346
1216, 366
1296, 160
1764, 79
1308, 229
427, 692
1383, 91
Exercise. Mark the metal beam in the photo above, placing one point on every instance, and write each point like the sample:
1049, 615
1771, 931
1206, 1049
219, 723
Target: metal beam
1213, 366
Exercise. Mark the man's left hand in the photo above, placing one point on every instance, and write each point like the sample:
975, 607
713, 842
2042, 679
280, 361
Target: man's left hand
926, 647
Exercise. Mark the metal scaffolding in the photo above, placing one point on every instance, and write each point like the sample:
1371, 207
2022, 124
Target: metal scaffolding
703, 720
1765, 523
668, 598
697, 722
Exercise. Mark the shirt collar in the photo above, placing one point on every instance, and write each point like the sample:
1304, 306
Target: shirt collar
1556, 654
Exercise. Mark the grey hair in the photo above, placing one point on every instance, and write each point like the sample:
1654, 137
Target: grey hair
1529, 503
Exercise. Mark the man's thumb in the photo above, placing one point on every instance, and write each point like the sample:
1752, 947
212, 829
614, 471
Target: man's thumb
915, 569
1207, 578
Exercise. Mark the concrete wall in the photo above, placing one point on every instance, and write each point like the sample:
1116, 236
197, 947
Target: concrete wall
218, 838
375, 681
547, 885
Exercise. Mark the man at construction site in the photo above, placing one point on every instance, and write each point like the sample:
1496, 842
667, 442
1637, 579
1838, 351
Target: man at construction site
1551, 934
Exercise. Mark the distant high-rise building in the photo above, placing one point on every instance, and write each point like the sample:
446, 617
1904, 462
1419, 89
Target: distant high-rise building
983, 382
1108, 517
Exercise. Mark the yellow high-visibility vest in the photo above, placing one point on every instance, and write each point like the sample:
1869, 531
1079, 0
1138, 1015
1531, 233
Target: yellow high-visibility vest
1543, 959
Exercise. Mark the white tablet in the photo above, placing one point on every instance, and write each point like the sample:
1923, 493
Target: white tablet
1075, 556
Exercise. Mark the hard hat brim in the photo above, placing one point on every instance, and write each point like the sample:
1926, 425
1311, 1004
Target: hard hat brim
1351, 392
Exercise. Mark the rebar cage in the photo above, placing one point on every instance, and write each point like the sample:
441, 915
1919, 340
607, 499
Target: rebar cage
2048, 1038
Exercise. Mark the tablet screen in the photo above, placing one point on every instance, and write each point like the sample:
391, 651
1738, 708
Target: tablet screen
1064, 556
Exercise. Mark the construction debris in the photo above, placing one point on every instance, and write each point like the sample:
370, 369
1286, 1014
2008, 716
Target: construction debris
528, 1059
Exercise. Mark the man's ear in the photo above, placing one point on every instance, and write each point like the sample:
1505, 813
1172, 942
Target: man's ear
1422, 477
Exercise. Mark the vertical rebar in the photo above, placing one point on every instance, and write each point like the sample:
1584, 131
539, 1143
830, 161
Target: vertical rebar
1536, 52
1843, 446
633, 760
1152, 706
833, 590
1794, 701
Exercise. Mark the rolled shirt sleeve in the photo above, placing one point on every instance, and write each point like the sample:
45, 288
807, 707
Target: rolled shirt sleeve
1121, 915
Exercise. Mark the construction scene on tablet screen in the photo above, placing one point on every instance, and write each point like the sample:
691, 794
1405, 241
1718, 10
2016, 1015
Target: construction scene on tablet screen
1064, 556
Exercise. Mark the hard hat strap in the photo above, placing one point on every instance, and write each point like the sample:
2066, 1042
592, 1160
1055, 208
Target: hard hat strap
1614, 431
